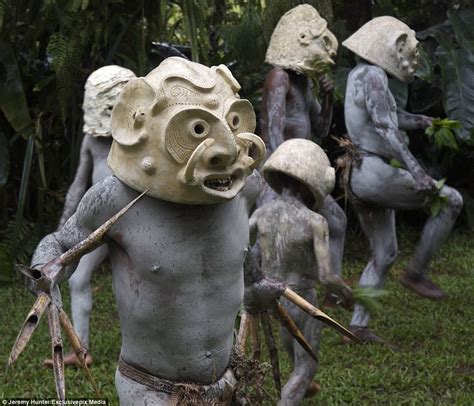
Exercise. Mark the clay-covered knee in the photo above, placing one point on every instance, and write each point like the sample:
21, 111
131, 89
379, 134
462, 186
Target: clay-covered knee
79, 284
388, 257
455, 200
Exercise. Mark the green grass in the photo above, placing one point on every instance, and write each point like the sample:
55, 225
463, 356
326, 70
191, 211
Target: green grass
430, 360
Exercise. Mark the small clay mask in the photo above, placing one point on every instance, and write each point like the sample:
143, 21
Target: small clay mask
183, 132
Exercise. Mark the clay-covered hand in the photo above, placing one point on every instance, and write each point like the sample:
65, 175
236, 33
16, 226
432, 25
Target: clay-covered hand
326, 84
424, 182
336, 285
426, 121
262, 295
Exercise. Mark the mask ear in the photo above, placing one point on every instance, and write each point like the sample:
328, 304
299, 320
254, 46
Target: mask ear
133, 109
400, 44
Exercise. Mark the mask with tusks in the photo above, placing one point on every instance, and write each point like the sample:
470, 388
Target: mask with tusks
183, 133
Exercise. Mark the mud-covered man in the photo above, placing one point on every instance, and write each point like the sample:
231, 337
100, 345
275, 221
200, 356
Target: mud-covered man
183, 134
294, 242
389, 47
301, 46
101, 91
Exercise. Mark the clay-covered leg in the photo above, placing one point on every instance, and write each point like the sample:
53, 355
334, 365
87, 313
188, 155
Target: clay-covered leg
378, 183
379, 226
81, 291
337, 223
435, 233
304, 367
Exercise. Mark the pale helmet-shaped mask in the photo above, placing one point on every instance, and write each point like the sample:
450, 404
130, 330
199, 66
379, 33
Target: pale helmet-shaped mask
101, 92
388, 43
183, 133
304, 161
301, 41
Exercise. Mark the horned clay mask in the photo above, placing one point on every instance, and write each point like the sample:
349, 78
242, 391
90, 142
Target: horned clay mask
183, 133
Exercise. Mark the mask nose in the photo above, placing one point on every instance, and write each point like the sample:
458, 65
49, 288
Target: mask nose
218, 156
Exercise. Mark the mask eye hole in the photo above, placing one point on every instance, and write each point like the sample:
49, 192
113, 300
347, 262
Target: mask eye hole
234, 121
199, 128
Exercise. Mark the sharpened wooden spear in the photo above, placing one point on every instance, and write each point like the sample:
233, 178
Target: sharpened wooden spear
29, 326
293, 329
317, 314
78, 347
43, 284
272, 349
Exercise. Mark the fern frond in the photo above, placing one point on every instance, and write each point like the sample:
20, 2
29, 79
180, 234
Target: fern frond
3, 11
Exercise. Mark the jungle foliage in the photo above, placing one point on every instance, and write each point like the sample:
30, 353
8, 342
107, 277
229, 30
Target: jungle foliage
49, 47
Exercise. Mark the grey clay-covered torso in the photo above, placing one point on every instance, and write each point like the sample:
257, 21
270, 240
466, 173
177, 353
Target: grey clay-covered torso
359, 123
286, 239
177, 276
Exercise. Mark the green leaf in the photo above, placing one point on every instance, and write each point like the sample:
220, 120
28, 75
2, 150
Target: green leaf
425, 70
440, 183
369, 297
395, 163
435, 207
457, 68
12, 96
4, 160
462, 23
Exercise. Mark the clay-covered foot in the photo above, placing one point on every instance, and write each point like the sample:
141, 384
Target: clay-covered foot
422, 285
312, 390
330, 300
363, 334
70, 359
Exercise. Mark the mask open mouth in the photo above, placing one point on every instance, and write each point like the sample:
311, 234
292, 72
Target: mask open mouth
220, 184
224, 185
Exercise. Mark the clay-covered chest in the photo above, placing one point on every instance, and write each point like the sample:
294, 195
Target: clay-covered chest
286, 226
173, 241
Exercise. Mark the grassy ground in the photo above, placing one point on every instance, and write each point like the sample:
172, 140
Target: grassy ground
430, 360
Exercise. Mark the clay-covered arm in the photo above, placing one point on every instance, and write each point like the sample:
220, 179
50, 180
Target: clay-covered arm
276, 88
86, 219
321, 115
408, 121
327, 277
79, 186
381, 112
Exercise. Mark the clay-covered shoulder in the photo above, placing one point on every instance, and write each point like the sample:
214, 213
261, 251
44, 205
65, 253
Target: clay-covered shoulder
277, 76
375, 78
101, 201
318, 223
252, 188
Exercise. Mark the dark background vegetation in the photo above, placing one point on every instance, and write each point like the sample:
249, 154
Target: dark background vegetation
49, 47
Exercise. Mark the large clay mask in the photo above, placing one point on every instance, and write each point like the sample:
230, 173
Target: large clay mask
183, 132
302, 42
101, 92
388, 43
